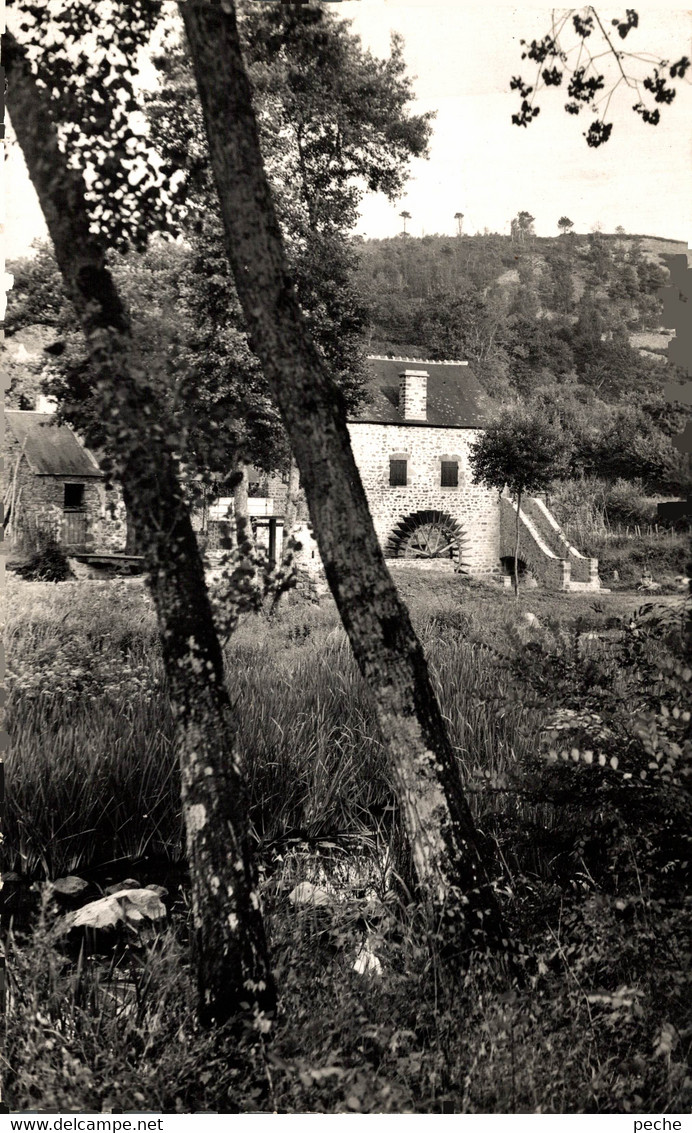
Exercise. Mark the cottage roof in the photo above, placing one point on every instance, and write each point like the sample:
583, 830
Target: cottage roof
455, 398
50, 449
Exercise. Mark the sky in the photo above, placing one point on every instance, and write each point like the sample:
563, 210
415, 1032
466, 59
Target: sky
463, 56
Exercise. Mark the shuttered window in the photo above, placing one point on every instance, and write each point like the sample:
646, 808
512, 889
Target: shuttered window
397, 473
449, 477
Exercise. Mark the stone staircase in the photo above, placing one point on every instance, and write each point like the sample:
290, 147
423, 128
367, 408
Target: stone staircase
544, 548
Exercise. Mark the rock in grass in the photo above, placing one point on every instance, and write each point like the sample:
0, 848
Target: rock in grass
307, 895
159, 890
134, 914
366, 962
128, 883
69, 886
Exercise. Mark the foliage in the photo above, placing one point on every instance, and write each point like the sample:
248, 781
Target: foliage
523, 450
617, 742
522, 226
466, 326
48, 563
38, 293
581, 52
321, 153
87, 58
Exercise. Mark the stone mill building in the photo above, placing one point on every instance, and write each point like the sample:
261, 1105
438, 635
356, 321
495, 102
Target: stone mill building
411, 442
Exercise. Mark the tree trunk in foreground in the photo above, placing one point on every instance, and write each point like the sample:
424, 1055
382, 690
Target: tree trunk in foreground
229, 943
516, 547
444, 843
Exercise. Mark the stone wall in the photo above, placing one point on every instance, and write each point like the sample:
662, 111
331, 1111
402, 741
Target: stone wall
475, 509
110, 526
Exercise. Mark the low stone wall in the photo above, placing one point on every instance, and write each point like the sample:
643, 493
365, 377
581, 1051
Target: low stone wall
583, 569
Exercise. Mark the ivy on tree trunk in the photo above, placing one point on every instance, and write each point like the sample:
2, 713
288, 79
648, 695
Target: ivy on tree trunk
229, 945
444, 843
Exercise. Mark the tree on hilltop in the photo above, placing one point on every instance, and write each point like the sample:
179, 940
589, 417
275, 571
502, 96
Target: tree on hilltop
521, 227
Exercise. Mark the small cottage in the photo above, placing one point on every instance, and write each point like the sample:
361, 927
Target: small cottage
54, 486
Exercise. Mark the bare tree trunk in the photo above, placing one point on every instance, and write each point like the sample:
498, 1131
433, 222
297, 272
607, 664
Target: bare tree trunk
516, 547
241, 513
291, 507
229, 943
445, 846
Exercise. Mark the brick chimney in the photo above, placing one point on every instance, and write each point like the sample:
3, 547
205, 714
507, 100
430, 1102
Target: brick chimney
413, 395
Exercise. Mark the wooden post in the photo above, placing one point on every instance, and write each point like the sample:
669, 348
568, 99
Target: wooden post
272, 541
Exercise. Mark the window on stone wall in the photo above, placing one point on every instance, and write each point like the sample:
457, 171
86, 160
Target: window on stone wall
397, 472
74, 495
449, 474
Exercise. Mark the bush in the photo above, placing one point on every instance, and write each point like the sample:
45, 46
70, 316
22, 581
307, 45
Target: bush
615, 759
626, 504
48, 564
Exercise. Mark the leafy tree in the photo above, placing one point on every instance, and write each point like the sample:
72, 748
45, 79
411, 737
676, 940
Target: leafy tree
562, 291
405, 216
327, 133
651, 277
537, 353
444, 843
565, 224
582, 53
523, 450
598, 257
459, 217
469, 327
228, 936
37, 294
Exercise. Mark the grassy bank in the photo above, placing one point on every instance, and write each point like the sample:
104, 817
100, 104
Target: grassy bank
589, 870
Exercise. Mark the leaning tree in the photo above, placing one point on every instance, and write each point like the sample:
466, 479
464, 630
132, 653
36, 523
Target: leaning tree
446, 851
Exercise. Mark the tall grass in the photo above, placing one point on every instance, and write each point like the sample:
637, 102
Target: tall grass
602, 1022
92, 775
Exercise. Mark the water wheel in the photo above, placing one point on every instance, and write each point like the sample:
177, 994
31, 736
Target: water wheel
427, 535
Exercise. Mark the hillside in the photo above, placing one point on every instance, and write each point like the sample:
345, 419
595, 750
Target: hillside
489, 298
543, 278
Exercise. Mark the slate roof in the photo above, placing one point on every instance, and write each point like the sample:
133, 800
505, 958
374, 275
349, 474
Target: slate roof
50, 449
456, 399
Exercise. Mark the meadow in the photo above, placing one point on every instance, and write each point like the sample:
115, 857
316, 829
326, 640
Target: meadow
590, 868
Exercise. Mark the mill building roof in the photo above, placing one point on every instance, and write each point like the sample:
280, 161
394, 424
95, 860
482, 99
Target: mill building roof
455, 397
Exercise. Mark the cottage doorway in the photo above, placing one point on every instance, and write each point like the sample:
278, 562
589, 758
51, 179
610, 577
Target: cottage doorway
431, 536
74, 517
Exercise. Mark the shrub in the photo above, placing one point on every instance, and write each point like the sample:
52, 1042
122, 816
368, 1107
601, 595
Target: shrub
615, 759
627, 504
47, 564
